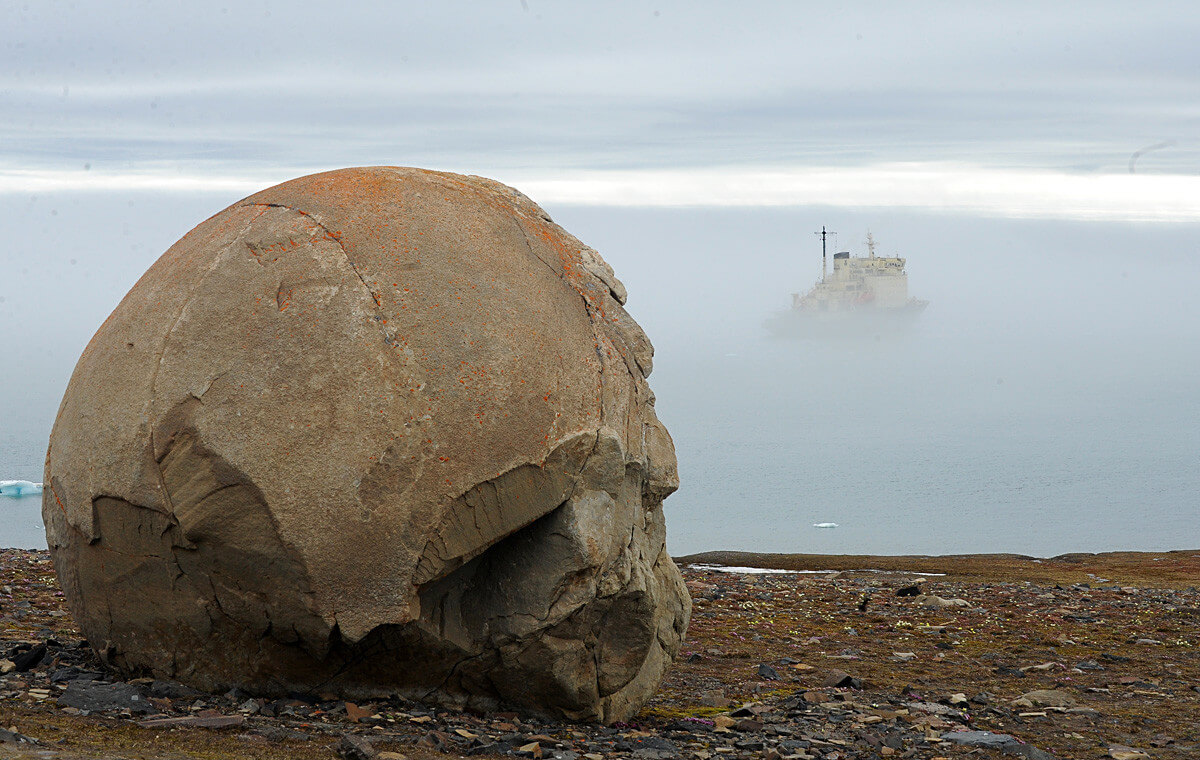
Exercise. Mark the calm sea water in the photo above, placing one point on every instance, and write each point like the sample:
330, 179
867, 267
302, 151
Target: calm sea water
1047, 401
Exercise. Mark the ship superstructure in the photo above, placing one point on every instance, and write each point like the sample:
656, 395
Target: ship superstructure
871, 284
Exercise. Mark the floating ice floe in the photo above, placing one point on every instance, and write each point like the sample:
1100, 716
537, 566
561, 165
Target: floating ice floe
825, 525
19, 488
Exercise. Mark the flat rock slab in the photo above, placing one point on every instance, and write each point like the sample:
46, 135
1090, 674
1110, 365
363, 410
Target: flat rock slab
97, 696
1003, 742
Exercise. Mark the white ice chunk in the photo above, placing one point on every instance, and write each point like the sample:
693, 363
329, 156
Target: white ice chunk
825, 525
19, 488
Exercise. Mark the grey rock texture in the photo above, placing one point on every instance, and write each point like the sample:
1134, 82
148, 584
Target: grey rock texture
374, 431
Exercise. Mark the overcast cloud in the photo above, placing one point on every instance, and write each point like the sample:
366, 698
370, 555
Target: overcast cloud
263, 90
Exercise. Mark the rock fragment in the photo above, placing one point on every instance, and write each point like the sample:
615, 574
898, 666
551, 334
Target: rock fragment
1044, 698
354, 747
1121, 752
933, 600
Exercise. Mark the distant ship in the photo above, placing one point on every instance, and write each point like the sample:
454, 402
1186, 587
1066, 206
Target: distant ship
861, 295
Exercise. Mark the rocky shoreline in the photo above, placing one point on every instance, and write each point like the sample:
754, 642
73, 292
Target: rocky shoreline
1083, 656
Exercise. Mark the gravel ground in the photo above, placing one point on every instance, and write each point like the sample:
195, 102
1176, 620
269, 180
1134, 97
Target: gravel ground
989, 660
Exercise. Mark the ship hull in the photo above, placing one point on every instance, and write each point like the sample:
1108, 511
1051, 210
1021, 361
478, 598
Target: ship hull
863, 322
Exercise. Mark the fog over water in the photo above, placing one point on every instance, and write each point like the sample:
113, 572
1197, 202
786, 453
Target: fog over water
1046, 401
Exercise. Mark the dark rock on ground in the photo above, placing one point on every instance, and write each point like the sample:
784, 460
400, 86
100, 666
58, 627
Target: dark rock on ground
353, 747
95, 696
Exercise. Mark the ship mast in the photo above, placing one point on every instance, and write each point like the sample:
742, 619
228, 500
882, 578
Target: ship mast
871, 244
822, 233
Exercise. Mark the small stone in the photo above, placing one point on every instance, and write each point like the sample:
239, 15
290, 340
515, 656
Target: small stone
353, 747
433, 740
933, 600
356, 713
768, 672
1121, 752
714, 698
839, 679
1046, 698
12, 737
1045, 666
28, 660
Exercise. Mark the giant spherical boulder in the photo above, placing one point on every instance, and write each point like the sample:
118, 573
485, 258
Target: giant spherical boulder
373, 432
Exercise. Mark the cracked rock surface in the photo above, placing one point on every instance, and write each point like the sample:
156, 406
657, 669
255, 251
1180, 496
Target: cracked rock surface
373, 432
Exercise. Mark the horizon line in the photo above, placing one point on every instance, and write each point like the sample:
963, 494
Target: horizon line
936, 186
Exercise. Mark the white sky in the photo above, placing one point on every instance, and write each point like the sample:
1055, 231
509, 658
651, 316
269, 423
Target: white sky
1005, 108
